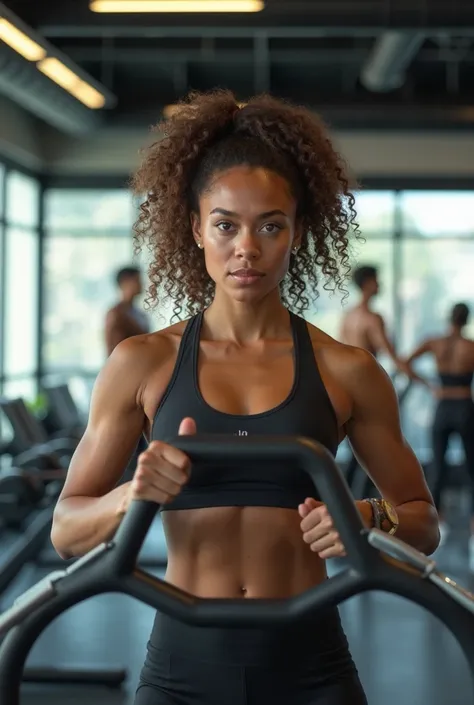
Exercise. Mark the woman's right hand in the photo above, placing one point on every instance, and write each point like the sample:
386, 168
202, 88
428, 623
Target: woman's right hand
162, 471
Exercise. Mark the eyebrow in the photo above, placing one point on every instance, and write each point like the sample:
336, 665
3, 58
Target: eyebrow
268, 214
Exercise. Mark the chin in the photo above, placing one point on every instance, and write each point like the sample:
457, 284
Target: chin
248, 295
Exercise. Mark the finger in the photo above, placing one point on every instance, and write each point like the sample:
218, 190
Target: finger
145, 485
303, 510
336, 551
318, 532
159, 466
315, 517
325, 542
311, 503
187, 427
164, 452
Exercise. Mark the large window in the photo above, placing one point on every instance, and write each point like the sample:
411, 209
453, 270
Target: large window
20, 248
21, 285
88, 237
422, 243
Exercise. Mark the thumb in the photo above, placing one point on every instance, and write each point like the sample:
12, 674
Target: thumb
187, 427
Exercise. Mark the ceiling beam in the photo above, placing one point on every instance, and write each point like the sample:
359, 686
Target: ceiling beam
143, 31
298, 57
262, 64
132, 55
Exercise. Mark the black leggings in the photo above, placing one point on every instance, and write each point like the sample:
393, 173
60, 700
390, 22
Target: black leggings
305, 665
452, 416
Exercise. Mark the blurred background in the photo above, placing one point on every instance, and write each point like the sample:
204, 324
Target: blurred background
80, 84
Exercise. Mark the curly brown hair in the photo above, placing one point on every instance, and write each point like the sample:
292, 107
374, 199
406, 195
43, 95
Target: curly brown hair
209, 133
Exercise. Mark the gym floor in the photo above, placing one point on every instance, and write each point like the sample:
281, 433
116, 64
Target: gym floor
402, 652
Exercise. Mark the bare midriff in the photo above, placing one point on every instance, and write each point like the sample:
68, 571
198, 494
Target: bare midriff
454, 393
236, 552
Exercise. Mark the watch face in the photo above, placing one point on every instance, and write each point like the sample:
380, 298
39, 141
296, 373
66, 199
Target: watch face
391, 513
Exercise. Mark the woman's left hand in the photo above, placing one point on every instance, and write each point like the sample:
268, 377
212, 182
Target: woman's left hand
319, 530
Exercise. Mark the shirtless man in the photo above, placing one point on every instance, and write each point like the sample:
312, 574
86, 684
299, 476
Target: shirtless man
124, 319
364, 328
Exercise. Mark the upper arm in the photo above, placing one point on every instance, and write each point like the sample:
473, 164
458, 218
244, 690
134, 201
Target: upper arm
376, 436
422, 349
114, 330
378, 335
116, 421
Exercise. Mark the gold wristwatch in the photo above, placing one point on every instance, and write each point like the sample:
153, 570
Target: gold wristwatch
384, 514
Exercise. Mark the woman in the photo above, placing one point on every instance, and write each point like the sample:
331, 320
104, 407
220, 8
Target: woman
243, 206
454, 356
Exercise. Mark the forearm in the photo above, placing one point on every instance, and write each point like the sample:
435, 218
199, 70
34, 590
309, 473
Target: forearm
418, 524
82, 523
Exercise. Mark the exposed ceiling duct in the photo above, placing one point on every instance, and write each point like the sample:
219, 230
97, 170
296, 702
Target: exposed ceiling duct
385, 69
23, 83
38, 77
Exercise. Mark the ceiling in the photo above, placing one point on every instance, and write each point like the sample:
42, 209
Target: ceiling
364, 64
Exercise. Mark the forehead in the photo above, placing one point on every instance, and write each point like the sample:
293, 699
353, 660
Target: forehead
249, 186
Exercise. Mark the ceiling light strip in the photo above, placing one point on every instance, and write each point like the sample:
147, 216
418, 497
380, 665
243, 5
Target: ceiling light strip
178, 6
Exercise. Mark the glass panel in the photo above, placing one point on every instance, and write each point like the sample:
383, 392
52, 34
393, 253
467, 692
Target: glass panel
376, 212
21, 301
21, 388
2, 179
436, 274
72, 209
22, 207
438, 213
79, 288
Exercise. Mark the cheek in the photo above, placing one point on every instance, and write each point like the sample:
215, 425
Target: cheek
216, 245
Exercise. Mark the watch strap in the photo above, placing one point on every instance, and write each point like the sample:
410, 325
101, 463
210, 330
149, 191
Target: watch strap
380, 516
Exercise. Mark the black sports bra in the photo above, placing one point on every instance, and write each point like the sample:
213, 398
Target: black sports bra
307, 411
456, 380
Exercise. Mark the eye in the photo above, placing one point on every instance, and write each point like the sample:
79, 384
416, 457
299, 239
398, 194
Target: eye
225, 226
271, 228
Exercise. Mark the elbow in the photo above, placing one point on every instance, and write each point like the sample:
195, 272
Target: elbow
432, 535
59, 537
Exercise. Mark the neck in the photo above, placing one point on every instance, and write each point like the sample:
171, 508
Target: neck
227, 319
455, 331
365, 300
127, 299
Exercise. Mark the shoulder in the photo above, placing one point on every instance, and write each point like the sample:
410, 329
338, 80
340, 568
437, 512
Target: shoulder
376, 319
141, 354
115, 313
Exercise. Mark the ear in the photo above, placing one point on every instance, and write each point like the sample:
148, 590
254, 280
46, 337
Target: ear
298, 234
196, 228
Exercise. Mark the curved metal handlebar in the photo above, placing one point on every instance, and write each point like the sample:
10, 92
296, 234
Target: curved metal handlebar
310, 456
112, 566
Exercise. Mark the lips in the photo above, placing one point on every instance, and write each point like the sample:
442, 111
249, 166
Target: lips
247, 273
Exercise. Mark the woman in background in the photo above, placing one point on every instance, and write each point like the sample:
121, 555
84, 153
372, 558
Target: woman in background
454, 356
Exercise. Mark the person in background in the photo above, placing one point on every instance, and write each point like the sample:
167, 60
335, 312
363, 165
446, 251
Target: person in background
125, 319
454, 358
364, 328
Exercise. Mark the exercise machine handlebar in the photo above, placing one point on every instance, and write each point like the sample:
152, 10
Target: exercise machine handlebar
112, 566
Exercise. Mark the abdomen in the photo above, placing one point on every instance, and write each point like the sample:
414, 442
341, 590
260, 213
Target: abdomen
254, 552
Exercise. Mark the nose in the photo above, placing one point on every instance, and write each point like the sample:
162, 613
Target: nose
247, 246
